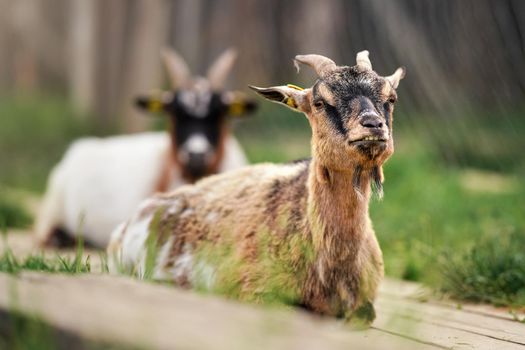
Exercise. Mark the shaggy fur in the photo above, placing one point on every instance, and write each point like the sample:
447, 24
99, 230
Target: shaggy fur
298, 231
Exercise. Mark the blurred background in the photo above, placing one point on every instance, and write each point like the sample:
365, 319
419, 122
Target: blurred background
71, 67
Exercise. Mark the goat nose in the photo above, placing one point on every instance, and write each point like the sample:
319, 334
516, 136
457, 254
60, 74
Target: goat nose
371, 121
197, 157
196, 165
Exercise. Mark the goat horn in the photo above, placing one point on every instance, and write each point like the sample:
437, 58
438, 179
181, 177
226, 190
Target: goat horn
219, 70
177, 68
363, 61
322, 65
396, 77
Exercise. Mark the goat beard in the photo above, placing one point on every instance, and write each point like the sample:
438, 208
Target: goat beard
374, 176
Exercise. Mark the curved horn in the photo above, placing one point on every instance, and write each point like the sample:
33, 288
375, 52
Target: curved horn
322, 65
177, 68
219, 70
396, 77
363, 61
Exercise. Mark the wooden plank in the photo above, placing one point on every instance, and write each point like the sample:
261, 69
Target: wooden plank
403, 289
449, 338
132, 313
503, 313
447, 327
487, 326
415, 291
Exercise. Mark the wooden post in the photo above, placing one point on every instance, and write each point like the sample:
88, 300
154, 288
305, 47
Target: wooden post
142, 71
82, 63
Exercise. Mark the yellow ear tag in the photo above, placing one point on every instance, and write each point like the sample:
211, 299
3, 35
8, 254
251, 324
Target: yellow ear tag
291, 102
236, 108
155, 105
292, 86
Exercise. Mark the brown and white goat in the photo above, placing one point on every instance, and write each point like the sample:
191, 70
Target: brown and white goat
101, 181
297, 232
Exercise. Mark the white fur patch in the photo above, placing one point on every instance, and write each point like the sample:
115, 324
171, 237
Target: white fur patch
162, 257
183, 265
133, 243
197, 143
186, 213
174, 207
211, 217
234, 158
196, 102
277, 171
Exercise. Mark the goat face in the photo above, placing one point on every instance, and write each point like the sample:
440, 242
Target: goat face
351, 114
198, 109
350, 110
198, 120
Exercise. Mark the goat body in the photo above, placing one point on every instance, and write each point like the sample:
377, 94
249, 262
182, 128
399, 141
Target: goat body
100, 182
262, 231
298, 233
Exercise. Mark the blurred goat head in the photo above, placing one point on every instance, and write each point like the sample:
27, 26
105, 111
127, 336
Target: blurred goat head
198, 109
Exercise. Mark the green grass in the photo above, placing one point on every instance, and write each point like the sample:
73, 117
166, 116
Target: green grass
34, 132
19, 331
491, 270
429, 209
11, 264
13, 214
435, 223
488, 140
274, 135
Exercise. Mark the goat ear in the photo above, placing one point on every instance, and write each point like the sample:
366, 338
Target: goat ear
155, 102
238, 103
396, 77
291, 96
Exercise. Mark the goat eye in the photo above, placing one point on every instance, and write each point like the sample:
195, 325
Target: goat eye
392, 99
318, 104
